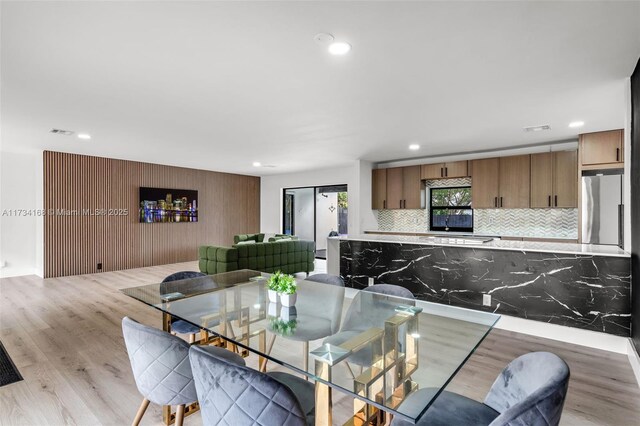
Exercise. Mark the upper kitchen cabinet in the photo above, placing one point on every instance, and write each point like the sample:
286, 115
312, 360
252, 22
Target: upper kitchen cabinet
485, 178
565, 179
603, 149
515, 179
396, 188
411, 187
379, 189
554, 179
455, 169
501, 182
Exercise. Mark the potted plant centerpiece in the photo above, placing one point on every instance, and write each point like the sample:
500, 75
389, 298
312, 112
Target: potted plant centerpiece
273, 286
287, 290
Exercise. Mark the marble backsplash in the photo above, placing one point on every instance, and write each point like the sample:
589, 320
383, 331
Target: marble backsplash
535, 223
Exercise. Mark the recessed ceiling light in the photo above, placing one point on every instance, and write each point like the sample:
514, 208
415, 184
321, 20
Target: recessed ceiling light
414, 147
574, 124
339, 48
257, 164
84, 136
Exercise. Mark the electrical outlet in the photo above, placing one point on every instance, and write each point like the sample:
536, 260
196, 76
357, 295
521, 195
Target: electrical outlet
370, 281
486, 300
99, 266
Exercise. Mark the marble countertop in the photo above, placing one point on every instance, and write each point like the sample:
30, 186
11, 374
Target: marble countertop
532, 246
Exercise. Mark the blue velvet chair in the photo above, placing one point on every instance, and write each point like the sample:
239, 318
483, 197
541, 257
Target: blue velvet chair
231, 394
360, 317
161, 367
326, 279
178, 325
530, 391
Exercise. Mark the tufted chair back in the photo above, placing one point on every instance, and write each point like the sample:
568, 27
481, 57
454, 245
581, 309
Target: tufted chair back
160, 364
530, 391
234, 395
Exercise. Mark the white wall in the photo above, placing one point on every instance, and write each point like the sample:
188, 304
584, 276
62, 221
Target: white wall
356, 176
326, 220
271, 192
303, 213
21, 238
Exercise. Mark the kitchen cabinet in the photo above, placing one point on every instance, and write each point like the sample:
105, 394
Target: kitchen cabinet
515, 182
379, 189
602, 148
554, 179
501, 182
485, 181
411, 187
565, 179
396, 188
455, 169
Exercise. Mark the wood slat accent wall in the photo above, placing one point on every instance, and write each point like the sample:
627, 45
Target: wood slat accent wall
228, 204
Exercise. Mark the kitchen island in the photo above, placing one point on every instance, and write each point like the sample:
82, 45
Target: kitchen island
576, 285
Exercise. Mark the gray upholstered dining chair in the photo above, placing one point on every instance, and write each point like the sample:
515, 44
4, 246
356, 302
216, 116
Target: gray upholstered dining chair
161, 367
178, 325
326, 279
316, 320
231, 394
530, 391
360, 317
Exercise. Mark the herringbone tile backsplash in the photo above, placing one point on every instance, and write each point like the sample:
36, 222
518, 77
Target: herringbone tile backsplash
542, 223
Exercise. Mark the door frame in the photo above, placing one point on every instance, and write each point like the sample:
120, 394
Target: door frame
315, 206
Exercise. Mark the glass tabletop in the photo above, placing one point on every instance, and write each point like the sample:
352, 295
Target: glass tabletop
375, 347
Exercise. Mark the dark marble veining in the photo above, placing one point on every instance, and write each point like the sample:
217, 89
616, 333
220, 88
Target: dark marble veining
589, 292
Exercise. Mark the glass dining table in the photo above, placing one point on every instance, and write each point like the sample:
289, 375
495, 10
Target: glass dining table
376, 348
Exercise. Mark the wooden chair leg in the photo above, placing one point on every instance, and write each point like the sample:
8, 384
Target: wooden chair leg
192, 339
140, 413
180, 415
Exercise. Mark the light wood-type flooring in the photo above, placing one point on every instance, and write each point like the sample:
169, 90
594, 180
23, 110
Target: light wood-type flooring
64, 335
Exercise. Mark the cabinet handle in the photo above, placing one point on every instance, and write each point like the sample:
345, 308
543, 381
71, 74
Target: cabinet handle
384, 204
556, 200
549, 200
446, 172
500, 201
495, 202
441, 172
617, 154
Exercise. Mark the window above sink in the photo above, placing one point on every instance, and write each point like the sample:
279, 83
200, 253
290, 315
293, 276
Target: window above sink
450, 209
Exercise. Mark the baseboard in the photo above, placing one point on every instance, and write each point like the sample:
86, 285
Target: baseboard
561, 333
634, 360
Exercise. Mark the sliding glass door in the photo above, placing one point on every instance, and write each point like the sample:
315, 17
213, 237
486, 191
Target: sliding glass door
314, 213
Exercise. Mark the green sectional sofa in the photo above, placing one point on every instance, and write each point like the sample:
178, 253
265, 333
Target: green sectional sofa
288, 256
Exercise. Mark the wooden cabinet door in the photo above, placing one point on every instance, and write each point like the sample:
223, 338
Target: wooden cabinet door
411, 187
565, 179
394, 188
484, 183
542, 166
515, 181
602, 147
378, 189
432, 171
457, 169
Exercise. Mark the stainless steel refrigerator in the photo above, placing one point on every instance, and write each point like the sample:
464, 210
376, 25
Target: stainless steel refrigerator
602, 208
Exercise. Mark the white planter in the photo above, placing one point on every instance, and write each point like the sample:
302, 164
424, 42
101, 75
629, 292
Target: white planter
272, 310
287, 314
273, 296
288, 300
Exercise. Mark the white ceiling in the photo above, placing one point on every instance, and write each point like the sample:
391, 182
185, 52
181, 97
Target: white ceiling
219, 85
